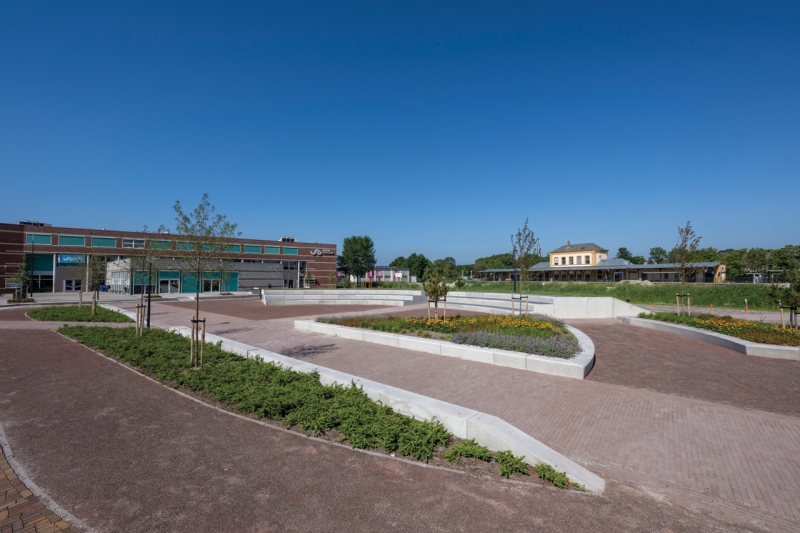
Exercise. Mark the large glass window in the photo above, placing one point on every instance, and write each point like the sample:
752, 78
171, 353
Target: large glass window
137, 244
276, 250
161, 245
289, 251
587, 260
71, 240
233, 248
39, 238
252, 249
570, 260
579, 260
104, 242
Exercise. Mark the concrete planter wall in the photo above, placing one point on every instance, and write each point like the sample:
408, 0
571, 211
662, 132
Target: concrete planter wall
578, 367
726, 341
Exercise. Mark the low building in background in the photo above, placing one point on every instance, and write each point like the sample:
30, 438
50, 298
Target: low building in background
54, 256
589, 262
384, 273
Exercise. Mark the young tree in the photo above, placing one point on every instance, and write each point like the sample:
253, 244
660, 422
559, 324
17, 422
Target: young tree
145, 264
22, 278
523, 243
657, 255
203, 251
358, 255
445, 266
684, 252
435, 288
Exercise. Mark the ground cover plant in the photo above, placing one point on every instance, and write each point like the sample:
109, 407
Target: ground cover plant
534, 334
292, 398
728, 295
74, 313
762, 332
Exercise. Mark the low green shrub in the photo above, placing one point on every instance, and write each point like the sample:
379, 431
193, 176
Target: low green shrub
269, 391
761, 332
468, 448
559, 479
73, 313
509, 464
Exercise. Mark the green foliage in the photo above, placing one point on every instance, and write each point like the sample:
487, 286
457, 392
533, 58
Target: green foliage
509, 464
720, 295
657, 255
761, 332
559, 479
268, 390
624, 253
638, 260
468, 448
358, 256
460, 284
73, 313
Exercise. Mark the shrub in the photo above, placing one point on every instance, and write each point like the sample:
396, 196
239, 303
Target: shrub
509, 464
73, 313
761, 332
269, 391
555, 346
559, 479
468, 448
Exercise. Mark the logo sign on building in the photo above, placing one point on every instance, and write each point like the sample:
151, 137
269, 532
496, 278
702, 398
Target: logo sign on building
321, 252
71, 259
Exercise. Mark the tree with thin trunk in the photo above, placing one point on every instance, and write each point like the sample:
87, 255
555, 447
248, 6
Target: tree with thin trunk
144, 262
522, 257
435, 288
684, 253
22, 278
206, 237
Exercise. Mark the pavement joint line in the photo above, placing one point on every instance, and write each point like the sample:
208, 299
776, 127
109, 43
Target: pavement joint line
301, 435
36, 490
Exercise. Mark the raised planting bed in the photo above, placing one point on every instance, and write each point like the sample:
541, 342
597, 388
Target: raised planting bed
533, 334
758, 332
298, 400
73, 313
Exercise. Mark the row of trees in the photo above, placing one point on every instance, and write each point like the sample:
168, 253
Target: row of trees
738, 262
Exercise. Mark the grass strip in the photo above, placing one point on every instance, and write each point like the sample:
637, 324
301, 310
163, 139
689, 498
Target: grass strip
73, 313
749, 330
730, 295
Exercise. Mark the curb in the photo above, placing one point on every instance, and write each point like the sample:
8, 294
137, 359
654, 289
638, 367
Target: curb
464, 423
726, 341
578, 367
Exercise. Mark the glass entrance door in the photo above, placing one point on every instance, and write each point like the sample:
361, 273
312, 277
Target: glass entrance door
72, 285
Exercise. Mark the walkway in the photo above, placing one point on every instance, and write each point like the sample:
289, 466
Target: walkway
124, 453
738, 464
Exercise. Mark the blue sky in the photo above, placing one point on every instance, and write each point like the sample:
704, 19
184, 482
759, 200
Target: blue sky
434, 127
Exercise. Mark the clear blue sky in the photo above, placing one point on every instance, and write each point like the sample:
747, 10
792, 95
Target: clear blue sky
433, 127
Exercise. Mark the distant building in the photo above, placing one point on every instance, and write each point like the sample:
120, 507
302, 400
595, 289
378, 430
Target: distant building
385, 273
590, 262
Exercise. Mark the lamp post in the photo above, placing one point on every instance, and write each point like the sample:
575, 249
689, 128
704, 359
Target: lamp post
33, 251
149, 286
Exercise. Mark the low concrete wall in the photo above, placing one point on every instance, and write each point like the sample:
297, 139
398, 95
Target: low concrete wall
342, 297
726, 341
488, 430
556, 306
578, 367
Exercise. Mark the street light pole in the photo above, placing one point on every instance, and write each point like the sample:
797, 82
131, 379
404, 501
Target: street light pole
149, 286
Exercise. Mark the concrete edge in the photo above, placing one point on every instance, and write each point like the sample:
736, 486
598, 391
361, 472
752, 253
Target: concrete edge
578, 367
129, 314
462, 422
726, 341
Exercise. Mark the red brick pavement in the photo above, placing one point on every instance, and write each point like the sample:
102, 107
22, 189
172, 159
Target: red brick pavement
20, 510
737, 464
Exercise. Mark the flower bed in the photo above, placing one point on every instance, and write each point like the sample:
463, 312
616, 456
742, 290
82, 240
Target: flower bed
761, 332
73, 313
533, 334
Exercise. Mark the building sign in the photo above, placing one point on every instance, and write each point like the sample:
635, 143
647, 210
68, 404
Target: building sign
71, 259
321, 252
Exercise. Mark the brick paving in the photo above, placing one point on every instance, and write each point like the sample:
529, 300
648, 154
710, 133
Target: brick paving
20, 510
123, 453
738, 464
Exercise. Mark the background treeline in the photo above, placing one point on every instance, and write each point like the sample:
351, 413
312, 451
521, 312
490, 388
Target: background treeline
737, 262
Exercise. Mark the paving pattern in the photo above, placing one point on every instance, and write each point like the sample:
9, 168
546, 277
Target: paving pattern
738, 464
124, 453
20, 510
